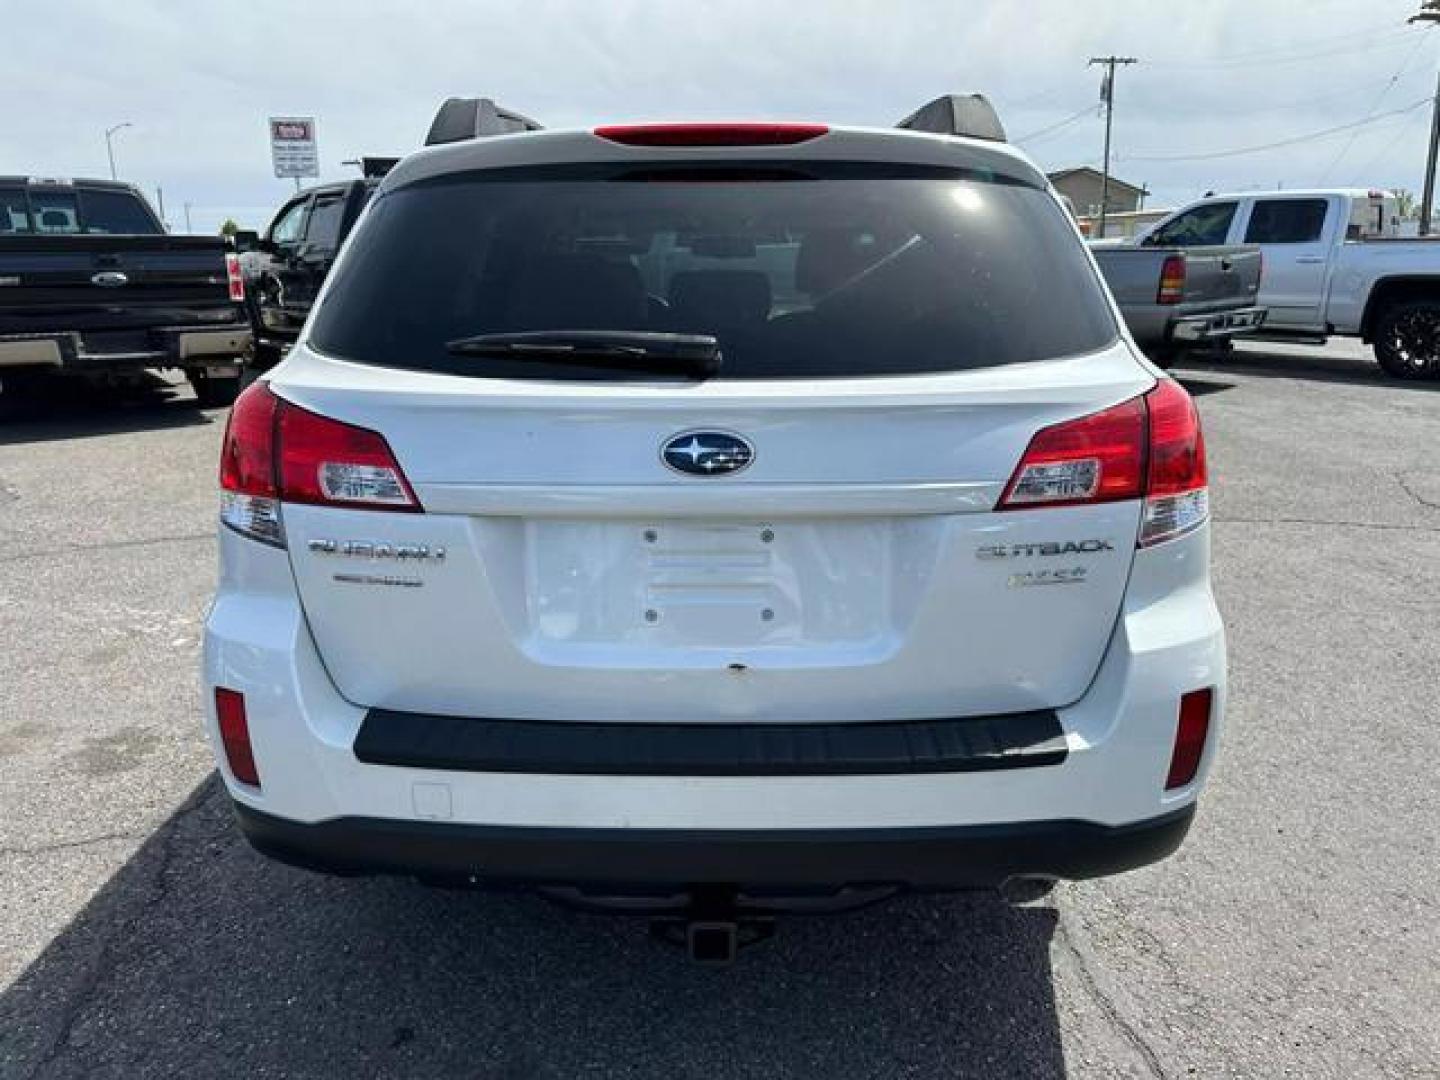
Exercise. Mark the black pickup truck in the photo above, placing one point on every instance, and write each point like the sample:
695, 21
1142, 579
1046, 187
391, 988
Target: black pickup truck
285, 267
91, 286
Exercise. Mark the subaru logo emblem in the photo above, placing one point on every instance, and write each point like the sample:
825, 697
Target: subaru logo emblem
706, 453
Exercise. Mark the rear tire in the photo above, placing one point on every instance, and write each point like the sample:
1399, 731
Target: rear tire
214, 393
1407, 340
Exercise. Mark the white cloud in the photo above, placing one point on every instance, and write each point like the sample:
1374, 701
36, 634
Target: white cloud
198, 79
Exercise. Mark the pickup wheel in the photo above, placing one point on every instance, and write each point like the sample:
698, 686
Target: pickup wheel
1407, 340
214, 393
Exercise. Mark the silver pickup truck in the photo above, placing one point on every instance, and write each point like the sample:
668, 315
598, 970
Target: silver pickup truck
1335, 265
1178, 298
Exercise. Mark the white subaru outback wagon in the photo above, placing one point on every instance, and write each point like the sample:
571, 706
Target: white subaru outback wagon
755, 510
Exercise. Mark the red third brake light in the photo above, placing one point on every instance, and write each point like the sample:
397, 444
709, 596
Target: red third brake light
1150, 446
711, 134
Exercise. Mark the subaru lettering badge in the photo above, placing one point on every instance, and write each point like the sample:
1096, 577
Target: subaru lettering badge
706, 453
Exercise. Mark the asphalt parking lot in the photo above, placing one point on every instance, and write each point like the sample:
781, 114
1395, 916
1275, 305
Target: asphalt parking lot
1296, 933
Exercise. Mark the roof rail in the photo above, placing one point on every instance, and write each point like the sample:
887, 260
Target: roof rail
472, 118
969, 115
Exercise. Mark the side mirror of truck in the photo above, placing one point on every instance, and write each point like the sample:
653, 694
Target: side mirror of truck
245, 240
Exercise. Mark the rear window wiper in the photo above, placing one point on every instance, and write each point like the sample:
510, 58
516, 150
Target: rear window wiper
627, 350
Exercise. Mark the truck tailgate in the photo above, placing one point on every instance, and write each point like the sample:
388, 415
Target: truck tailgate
1219, 275
91, 281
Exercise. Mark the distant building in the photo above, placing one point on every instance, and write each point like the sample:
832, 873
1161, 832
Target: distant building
1083, 185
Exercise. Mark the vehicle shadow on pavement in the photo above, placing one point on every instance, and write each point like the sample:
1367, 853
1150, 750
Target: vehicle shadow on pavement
199, 958
1309, 364
62, 409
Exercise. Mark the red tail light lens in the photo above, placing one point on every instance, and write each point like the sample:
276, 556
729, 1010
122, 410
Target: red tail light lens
1177, 498
234, 278
1149, 446
1172, 280
277, 452
235, 735
335, 464
1191, 731
249, 495
1097, 458
711, 134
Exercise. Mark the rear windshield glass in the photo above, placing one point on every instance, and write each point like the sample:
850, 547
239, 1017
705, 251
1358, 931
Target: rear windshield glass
66, 212
803, 271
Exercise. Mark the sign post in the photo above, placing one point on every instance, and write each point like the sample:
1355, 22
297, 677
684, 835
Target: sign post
293, 150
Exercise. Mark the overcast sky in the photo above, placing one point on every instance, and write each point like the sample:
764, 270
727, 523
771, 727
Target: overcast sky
198, 80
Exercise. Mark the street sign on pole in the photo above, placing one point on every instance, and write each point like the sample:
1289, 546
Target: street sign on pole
292, 146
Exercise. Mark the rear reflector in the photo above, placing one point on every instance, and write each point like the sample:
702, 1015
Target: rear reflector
1150, 446
235, 735
234, 278
1190, 734
277, 452
1172, 280
711, 134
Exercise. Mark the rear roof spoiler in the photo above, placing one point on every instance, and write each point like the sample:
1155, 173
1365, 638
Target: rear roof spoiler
473, 118
968, 115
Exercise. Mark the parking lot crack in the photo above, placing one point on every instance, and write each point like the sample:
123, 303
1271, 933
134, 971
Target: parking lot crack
1127, 1031
1323, 523
109, 545
108, 956
66, 845
1403, 480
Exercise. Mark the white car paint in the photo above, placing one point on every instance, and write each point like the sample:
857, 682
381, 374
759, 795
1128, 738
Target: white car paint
862, 592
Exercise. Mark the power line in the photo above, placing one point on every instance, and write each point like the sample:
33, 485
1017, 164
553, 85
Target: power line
1056, 126
1282, 142
1373, 107
1384, 41
1364, 171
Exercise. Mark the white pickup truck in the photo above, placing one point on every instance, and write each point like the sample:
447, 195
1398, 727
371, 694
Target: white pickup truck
1334, 265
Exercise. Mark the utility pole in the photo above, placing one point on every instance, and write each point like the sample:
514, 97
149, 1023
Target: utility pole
1429, 13
1107, 95
187, 218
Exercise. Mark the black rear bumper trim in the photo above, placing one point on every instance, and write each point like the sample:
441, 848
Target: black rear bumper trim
468, 744
967, 856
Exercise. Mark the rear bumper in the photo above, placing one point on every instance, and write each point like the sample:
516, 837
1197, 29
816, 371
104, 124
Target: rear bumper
1217, 325
958, 857
332, 799
171, 346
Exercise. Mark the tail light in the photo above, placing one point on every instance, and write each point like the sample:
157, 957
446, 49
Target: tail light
1177, 499
1148, 447
711, 134
1191, 731
234, 278
277, 452
235, 735
1097, 458
1172, 280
